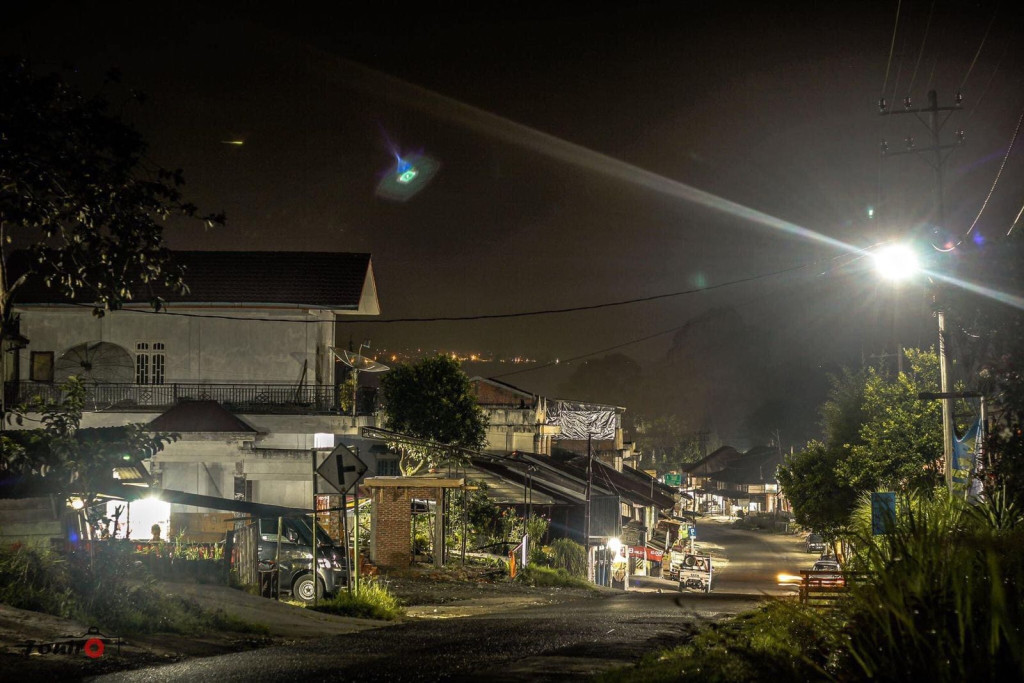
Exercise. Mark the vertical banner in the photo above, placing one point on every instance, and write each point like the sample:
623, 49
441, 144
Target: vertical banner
883, 512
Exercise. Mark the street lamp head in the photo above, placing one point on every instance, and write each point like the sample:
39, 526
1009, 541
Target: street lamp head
614, 545
896, 262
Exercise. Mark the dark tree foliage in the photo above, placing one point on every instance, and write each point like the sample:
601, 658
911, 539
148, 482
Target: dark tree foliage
821, 499
989, 334
77, 192
66, 458
432, 400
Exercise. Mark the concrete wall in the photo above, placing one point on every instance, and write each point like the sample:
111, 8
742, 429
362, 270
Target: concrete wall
198, 349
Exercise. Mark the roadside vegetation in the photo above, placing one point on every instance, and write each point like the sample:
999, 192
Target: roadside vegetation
113, 592
538, 576
925, 609
373, 601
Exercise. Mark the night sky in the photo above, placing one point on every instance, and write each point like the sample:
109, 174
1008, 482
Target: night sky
585, 156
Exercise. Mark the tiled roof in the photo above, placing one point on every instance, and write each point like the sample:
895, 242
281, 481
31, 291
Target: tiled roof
313, 279
199, 416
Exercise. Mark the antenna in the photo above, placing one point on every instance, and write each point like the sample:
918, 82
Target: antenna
358, 363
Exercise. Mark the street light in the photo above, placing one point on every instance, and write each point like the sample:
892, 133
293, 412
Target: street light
898, 262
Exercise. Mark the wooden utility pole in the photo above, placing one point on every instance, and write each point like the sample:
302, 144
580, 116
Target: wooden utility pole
936, 155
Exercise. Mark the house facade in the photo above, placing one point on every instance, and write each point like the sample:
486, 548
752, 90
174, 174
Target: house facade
242, 367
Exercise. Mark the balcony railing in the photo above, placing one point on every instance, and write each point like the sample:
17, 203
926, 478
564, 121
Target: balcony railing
240, 398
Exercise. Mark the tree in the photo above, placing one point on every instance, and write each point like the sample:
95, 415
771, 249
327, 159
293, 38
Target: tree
78, 194
67, 459
879, 436
900, 438
821, 499
666, 442
432, 401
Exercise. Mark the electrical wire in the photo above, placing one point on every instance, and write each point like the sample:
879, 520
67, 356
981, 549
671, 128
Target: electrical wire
488, 316
974, 61
999, 173
892, 46
1015, 220
920, 52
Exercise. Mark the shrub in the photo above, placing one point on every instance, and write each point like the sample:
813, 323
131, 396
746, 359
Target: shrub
778, 642
569, 555
35, 580
945, 599
546, 576
373, 601
112, 591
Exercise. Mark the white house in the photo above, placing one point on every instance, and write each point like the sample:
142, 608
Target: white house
242, 366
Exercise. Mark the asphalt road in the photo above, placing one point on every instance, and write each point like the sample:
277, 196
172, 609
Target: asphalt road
545, 643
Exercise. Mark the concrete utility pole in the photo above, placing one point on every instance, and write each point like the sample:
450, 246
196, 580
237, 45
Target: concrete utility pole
936, 156
586, 517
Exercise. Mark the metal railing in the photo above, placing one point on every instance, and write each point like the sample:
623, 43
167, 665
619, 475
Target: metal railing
248, 398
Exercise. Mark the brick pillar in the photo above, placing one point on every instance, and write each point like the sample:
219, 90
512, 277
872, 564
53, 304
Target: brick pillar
392, 539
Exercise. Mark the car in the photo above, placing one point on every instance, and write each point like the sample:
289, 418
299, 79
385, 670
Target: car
815, 543
827, 573
292, 555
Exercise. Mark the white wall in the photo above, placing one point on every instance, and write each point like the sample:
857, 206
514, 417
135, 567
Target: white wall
197, 349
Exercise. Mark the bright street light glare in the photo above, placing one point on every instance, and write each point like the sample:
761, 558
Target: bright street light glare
896, 262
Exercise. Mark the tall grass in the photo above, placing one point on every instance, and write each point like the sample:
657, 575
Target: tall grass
373, 601
533, 575
569, 555
945, 601
113, 592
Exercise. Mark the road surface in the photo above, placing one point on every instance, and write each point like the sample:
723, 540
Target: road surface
546, 643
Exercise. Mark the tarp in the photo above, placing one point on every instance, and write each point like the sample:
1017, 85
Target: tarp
579, 421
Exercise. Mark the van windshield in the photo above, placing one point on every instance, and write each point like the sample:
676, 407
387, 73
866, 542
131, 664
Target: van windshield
294, 530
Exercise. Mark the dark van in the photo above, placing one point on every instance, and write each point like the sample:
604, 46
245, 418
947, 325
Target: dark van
294, 560
815, 543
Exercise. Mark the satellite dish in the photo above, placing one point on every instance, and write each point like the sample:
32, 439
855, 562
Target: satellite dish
358, 363
96, 362
362, 363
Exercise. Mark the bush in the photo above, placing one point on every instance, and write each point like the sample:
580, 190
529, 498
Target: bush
373, 601
546, 576
112, 591
778, 642
35, 580
934, 609
569, 555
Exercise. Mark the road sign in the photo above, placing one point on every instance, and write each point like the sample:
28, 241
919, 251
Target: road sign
693, 532
673, 480
342, 469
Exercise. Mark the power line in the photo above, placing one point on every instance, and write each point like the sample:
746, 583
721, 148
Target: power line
999, 173
974, 61
487, 316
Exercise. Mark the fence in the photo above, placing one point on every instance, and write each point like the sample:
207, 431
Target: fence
825, 588
250, 398
245, 555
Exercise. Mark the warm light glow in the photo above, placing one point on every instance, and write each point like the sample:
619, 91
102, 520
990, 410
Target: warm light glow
789, 579
77, 503
614, 545
896, 262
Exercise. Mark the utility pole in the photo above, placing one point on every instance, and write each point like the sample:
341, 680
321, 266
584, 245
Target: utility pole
936, 156
586, 514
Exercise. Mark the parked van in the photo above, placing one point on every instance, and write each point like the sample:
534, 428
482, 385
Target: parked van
292, 555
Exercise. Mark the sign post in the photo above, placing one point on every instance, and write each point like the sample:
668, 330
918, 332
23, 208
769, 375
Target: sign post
343, 469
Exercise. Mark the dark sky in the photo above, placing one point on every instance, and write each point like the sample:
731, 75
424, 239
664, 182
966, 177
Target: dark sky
568, 140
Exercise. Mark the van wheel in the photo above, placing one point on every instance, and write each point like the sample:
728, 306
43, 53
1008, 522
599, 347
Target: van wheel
304, 587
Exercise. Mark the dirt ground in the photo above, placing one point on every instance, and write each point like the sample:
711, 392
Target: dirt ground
426, 593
